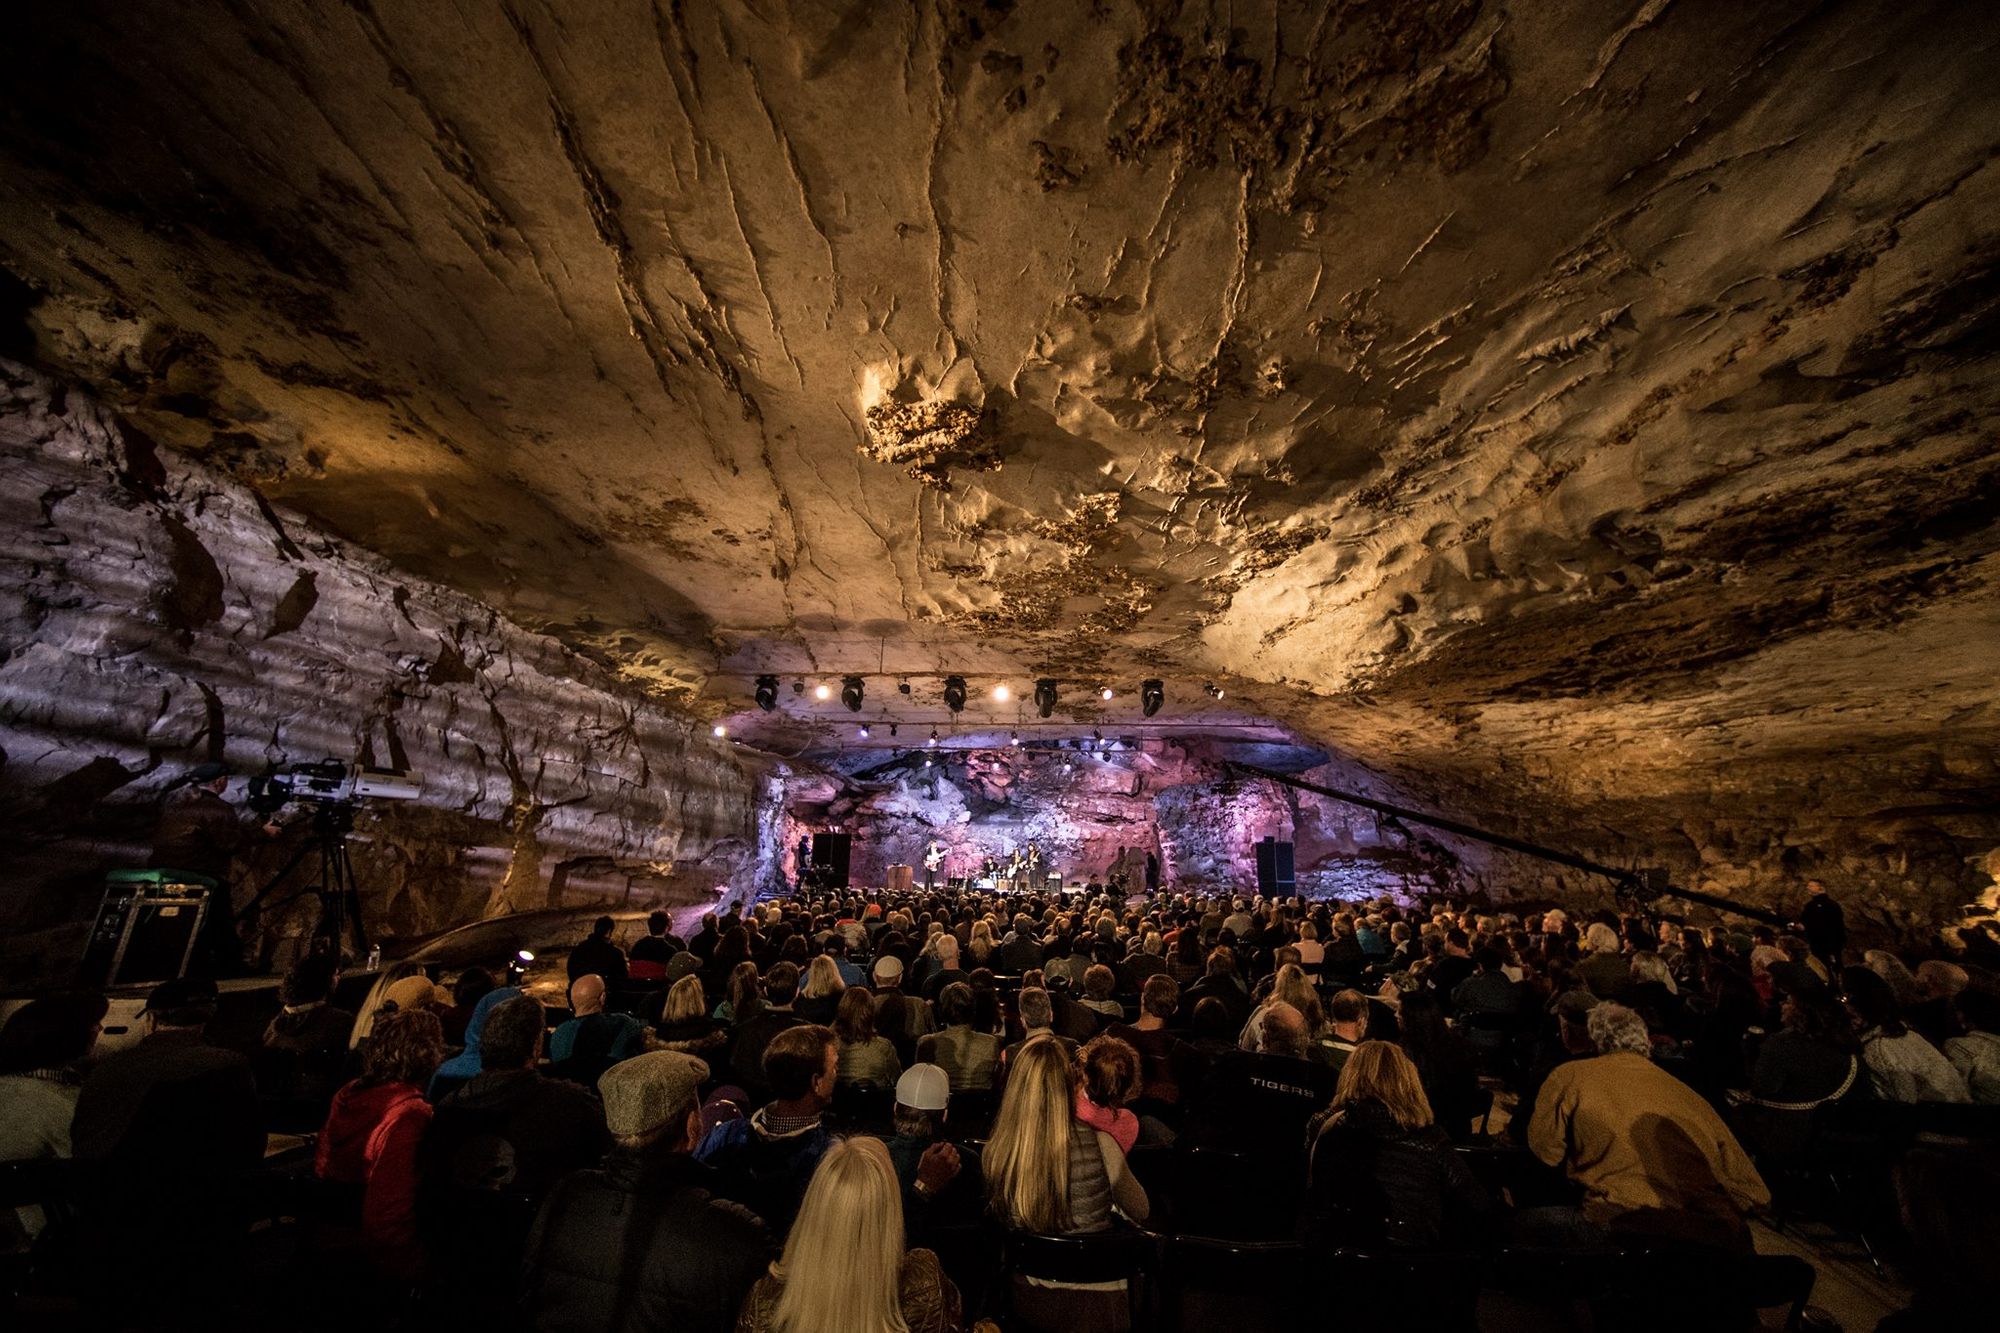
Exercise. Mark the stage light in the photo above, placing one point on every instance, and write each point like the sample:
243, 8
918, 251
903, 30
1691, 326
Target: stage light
864, 731
927, 763
1013, 738
1001, 694
1068, 767
767, 692
798, 687
525, 955
933, 740
822, 691
954, 693
851, 690
718, 731
903, 688
1045, 697
1109, 693
1151, 695
1212, 690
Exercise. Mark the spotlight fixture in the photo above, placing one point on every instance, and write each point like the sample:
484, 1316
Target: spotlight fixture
954, 693
903, 687
934, 738
1013, 738
767, 692
863, 732
851, 690
1001, 694
798, 687
822, 692
1212, 690
718, 731
1068, 767
1109, 693
1045, 697
892, 728
1151, 695
927, 763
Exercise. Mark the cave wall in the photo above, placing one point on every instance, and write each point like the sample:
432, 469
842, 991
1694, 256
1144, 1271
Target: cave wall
155, 614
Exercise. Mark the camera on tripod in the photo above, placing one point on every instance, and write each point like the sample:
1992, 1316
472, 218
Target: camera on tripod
331, 790
329, 782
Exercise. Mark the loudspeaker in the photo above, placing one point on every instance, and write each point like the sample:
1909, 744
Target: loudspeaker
831, 852
146, 928
1274, 869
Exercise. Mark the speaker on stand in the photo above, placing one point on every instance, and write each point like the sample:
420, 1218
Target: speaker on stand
1274, 869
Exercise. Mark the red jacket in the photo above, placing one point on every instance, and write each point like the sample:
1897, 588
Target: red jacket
371, 1139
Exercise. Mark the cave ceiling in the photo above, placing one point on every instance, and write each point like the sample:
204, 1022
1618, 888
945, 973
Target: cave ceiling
1587, 393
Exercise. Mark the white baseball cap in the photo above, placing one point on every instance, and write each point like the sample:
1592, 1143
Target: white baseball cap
923, 1088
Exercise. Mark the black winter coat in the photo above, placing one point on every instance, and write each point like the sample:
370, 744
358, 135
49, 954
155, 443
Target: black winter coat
1372, 1182
639, 1246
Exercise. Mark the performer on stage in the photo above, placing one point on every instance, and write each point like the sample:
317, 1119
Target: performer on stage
933, 858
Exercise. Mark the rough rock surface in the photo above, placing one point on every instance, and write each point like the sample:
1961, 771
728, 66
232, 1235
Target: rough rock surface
1581, 414
154, 614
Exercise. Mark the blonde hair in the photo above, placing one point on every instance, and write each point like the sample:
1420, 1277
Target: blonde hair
685, 1001
822, 979
844, 1258
1027, 1159
1380, 1071
1295, 988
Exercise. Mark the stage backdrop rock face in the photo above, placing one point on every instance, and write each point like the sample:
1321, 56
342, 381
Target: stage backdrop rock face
156, 614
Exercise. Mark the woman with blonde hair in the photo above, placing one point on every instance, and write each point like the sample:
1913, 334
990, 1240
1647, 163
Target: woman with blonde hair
844, 1269
982, 946
684, 1022
819, 996
1378, 1169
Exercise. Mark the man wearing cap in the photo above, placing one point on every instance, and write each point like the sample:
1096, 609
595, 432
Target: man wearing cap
940, 1183
1572, 1042
898, 1017
639, 1243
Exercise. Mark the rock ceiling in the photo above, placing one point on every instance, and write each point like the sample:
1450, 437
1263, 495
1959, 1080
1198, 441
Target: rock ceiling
1595, 395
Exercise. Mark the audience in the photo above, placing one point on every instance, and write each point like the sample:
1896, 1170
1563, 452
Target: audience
599, 955
1345, 1093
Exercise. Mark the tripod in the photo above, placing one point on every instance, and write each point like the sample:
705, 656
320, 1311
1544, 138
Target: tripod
339, 898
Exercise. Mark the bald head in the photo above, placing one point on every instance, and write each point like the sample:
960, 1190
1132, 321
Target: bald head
1283, 1030
586, 995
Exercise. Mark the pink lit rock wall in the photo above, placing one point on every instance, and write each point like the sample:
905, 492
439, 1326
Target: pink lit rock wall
1081, 810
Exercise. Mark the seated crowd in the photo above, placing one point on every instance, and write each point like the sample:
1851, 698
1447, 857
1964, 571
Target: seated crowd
790, 1120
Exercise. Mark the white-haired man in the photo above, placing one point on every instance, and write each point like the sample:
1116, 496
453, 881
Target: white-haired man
1653, 1158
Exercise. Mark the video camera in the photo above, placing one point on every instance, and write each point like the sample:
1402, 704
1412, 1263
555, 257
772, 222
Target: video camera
330, 782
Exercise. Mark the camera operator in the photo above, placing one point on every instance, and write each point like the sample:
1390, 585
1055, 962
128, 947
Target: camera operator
201, 833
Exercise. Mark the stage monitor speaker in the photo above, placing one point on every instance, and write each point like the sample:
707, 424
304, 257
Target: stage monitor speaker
146, 929
831, 852
1274, 869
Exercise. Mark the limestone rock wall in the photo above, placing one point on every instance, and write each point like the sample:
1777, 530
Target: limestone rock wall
154, 614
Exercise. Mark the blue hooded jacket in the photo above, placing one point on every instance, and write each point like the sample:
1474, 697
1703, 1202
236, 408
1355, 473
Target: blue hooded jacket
456, 1072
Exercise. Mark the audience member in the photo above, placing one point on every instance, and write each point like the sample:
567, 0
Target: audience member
933, 1174
867, 1059
969, 1056
1901, 1066
764, 1160
650, 956
753, 1033
1378, 1169
844, 1268
42, 1048
373, 1135
305, 1045
1653, 1158
462, 1068
639, 1244
599, 955
592, 1041
1107, 1081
